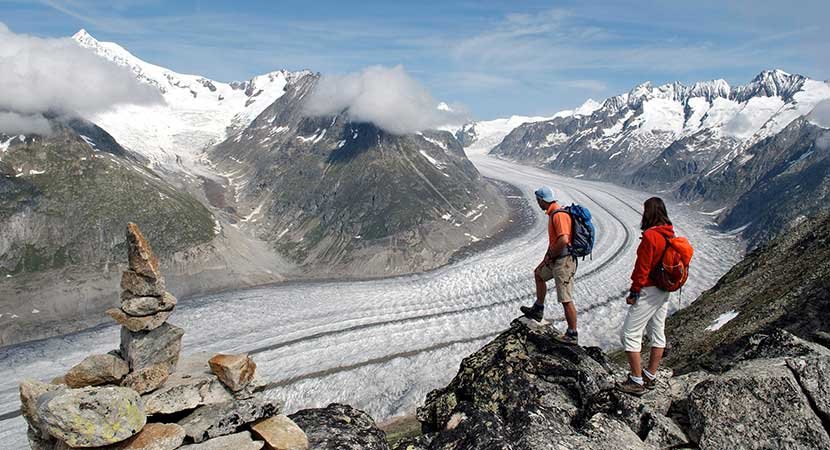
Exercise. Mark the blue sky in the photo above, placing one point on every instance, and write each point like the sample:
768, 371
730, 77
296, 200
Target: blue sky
496, 58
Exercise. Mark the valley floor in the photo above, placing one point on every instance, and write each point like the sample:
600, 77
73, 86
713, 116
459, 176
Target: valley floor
381, 345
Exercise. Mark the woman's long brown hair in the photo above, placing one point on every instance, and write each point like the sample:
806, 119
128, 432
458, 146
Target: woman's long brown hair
654, 214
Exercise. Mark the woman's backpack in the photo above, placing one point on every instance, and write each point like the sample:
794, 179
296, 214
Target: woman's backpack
672, 270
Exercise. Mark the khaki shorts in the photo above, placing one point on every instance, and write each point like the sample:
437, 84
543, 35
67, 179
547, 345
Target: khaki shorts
562, 272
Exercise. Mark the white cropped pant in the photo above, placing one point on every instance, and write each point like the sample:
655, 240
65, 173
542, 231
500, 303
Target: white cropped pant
647, 315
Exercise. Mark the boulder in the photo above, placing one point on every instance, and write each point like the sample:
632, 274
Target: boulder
757, 404
340, 427
147, 379
30, 391
142, 323
145, 348
238, 441
91, 416
95, 370
139, 254
220, 419
280, 433
141, 286
190, 386
234, 371
147, 306
154, 436
813, 375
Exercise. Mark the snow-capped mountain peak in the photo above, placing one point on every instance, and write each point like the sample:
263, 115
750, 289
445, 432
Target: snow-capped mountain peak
198, 113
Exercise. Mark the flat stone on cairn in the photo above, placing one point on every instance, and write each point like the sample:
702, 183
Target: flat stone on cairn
95, 370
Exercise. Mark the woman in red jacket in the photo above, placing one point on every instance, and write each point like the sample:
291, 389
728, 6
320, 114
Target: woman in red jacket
648, 304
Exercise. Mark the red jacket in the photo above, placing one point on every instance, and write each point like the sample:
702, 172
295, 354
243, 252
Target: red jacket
651, 248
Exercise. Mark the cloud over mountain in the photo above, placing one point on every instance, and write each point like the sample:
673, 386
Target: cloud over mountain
57, 76
387, 97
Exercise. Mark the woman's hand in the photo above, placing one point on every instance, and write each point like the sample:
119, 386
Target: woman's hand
632, 297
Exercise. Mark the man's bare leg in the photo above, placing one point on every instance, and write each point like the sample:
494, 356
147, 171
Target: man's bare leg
570, 315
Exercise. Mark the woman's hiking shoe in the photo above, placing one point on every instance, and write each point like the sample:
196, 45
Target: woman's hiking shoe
630, 386
534, 312
649, 383
568, 338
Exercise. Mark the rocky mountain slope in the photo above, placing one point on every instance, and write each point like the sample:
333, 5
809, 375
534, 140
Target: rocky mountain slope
197, 111
785, 284
348, 197
708, 143
64, 199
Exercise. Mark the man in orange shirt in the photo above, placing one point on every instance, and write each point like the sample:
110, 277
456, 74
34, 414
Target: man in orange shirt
558, 264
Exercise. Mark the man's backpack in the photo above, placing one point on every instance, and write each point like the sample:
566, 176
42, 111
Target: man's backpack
672, 270
583, 233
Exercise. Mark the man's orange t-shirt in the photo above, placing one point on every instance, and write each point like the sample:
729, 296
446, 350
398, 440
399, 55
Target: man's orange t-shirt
559, 225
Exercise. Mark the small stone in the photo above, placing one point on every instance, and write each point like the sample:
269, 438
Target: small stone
280, 433
92, 416
154, 436
190, 386
147, 306
144, 323
58, 380
142, 286
238, 441
147, 379
212, 421
145, 348
140, 255
30, 391
96, 370
234, 371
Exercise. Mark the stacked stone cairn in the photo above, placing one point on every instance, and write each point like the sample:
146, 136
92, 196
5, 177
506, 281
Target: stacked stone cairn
143, 397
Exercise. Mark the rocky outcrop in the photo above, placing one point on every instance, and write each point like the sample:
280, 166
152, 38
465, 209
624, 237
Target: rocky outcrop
340, 427
526, 391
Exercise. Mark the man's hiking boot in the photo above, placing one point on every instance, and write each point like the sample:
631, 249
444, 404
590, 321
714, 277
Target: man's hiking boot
534, 312
630, 386
568, 338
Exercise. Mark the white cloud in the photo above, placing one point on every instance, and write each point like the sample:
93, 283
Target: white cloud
58, 76
821, 114
387, 97
14, 123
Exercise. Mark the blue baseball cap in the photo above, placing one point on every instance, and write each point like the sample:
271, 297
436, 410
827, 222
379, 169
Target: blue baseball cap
545, 193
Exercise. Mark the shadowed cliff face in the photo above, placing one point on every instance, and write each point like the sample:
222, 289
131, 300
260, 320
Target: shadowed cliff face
345, 196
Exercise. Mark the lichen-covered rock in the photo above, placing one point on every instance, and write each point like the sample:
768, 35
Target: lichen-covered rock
139, 323
154, 436
234, 371
280, 433
96, 370
340, 427
147, 306
238, 441
140, 256
147, 379
758, 404
190, 386
145, 348
141, 286
30, 391
91, 416
210, 421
